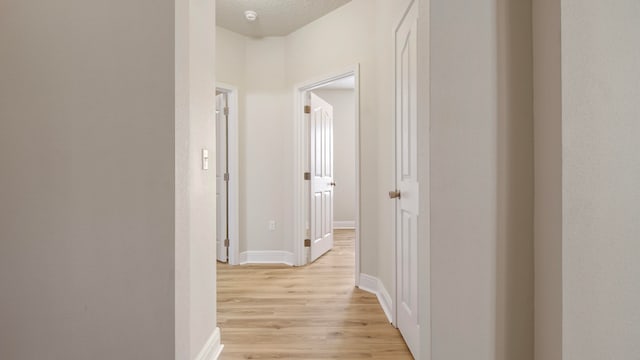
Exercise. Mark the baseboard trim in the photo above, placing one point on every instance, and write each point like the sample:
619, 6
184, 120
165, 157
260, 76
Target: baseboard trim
368, 283
266, 257
373, 285
344, 225
212, 349
385, 300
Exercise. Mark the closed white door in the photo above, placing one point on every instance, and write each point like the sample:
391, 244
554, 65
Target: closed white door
321, 169
221, 183
407, 187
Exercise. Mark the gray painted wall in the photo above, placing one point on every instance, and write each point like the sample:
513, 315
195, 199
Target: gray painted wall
481, 166
87, 184
601, 177
587, 171
548, 179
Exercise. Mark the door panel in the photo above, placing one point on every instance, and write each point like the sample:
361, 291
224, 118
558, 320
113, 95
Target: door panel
407, 180
321, 169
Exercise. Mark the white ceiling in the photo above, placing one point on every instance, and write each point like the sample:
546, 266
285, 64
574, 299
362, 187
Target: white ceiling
275, 17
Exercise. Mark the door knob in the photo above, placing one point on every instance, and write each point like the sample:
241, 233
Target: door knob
332, 183
394, 194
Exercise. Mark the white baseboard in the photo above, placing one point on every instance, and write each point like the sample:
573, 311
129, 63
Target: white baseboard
266, 257
344, 225
373, 285
212, 349
369, 283
385, 301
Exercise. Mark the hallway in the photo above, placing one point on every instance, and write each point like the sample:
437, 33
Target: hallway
311, 312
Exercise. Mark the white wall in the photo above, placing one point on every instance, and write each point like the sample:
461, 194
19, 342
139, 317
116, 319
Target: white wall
263, 146
601, 173
87, 184
256, 67
344, 135
195, 210
463, 179
587, 172
481, 190
231, 59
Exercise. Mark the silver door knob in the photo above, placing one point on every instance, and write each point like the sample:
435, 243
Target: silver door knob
394, 194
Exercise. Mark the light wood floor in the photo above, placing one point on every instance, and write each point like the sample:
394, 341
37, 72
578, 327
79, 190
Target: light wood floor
311, 312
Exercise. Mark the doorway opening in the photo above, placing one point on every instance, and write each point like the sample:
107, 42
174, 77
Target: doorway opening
227, 227
327, 169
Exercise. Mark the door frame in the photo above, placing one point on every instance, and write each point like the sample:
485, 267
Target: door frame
233, 198
424, 176
300, 143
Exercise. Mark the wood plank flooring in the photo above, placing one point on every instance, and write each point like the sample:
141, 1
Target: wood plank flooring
311, 312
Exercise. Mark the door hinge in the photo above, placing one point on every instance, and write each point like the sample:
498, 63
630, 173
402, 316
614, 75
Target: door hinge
307, 176
226, 111
307, 242
307, 109
226, 177
226, 242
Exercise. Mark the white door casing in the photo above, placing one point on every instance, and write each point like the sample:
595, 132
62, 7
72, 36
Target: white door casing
231, 159
321, 169
221, 169
300, 142
407, 204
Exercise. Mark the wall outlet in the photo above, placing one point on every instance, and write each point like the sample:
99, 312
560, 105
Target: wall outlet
272, 225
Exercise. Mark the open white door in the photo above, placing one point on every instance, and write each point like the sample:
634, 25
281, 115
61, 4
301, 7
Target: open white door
321, 169
222, 204
407, 187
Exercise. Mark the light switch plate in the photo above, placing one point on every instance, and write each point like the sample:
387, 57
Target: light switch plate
205, 159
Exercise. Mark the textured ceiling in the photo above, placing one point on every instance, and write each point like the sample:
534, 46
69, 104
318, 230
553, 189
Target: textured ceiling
275, 17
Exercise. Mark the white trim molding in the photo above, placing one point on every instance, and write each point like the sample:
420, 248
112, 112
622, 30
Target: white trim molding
299, 145
385, 301
267, 257
369, 283
373, 285
212, 349
344, 225
234, 171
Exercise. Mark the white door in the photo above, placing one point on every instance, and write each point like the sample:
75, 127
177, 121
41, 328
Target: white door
222, 205
407, 187
321, 169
